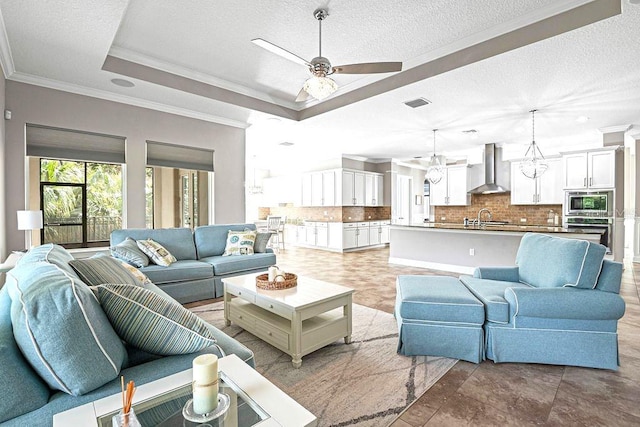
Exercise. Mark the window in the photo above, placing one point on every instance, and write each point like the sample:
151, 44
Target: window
81, 202
148, 194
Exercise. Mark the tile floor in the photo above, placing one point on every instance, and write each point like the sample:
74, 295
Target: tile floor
490, 394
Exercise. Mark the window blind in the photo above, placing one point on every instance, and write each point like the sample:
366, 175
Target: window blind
56, 143
179, 156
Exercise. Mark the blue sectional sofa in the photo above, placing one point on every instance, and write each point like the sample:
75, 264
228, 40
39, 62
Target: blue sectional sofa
200, 268
75, 340
559, 305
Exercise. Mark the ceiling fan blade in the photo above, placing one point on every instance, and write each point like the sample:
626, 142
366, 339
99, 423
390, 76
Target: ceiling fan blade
280, 51
302, 96
368, 68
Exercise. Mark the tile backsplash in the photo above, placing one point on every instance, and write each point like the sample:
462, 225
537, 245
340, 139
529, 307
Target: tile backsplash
328, 213
501, 210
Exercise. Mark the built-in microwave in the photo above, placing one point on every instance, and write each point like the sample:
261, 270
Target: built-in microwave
588, 203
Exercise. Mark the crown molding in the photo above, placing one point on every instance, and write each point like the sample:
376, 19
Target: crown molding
614, 129
6, 59
189, 73
123, 99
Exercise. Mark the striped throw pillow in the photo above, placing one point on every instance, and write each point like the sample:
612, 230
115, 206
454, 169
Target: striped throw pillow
156, 252
101, 269
153, 323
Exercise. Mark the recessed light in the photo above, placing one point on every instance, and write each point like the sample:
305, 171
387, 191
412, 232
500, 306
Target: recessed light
582, 119
122, 83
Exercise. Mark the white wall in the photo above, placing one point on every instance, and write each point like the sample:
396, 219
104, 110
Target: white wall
37, 105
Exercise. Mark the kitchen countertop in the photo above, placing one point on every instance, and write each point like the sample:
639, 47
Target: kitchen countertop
507, 227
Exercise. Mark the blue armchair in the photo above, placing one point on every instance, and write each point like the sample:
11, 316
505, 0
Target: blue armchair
558, 305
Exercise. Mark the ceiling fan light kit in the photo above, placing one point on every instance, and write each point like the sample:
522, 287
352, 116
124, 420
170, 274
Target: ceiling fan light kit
534, 164
319, 85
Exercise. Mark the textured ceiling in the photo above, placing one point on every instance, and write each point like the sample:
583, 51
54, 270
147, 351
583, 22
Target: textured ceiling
591, 71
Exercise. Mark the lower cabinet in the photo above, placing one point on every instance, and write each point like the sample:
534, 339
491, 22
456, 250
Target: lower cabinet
338, 236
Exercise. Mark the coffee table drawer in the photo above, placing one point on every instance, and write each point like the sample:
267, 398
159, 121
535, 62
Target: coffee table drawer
273, 307
274, 335
239, 292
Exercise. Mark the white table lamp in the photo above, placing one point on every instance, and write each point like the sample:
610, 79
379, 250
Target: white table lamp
29, 221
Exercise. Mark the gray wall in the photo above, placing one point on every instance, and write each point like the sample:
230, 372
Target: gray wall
33, 104
3, 234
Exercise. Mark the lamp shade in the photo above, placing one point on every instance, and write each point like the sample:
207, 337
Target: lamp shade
30, 220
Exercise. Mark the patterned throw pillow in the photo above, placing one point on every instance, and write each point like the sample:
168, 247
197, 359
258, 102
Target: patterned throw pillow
129, 251
262, 239
152, 323
156, 252
142, 278
101, 269
240, 242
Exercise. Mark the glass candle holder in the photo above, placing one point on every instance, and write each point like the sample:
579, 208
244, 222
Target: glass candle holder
125, 420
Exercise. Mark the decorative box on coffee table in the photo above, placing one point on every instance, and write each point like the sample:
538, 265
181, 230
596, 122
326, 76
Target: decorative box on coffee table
298, 320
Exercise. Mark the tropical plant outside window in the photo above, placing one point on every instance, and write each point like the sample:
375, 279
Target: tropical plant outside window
81, 202
148, 193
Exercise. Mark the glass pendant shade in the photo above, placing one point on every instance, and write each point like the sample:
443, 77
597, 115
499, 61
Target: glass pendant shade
534, 164
435, 168
320, 87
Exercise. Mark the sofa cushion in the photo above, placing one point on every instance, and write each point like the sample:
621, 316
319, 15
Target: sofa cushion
211, 239
491, 294
153, 323
157, 253
610, 277
239, 243
129, 251
228, 265
102, 269
61, 329
178, 271
178, 241
22, 389
550, 262
51, 253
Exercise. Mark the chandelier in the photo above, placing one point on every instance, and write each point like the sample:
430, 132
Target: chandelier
534, 164
435, 169
320, 86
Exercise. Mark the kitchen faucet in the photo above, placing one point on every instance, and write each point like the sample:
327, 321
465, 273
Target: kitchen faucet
479, 222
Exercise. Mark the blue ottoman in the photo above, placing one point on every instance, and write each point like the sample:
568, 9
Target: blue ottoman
438, 316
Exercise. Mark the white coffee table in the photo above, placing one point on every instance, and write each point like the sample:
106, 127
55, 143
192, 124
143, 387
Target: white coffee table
297, 320
275, 407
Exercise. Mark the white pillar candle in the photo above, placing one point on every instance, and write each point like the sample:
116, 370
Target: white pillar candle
272, 273
205, 383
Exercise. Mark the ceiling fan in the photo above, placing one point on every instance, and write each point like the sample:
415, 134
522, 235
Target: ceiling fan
319, 85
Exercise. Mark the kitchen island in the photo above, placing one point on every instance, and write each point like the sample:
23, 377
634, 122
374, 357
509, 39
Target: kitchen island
458, 248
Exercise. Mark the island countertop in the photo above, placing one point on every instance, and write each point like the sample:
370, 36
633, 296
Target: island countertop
503, 227
456, 248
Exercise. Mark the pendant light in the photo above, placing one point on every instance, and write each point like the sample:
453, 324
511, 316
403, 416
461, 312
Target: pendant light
534, 164
254, 189
435, 169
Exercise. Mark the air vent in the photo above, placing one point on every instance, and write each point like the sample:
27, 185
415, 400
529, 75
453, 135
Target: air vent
286, 144
415, 103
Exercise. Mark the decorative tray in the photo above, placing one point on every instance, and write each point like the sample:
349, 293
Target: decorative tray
283, 281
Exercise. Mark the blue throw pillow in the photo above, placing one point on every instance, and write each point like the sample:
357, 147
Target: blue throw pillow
128, 251
61, 329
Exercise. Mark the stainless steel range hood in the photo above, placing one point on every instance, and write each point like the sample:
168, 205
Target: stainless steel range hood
491, 184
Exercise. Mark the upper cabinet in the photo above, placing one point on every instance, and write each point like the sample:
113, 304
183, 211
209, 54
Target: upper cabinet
342, 187
319, 188
452, 188
544, 190
589, 170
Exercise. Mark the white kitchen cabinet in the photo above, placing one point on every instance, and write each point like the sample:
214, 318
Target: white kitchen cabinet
319, 189
363, 234
353, 191
384, 232
375, 230
335, 235
349, 236
544, 190
316, 234
373, 188
589, 170
452, 188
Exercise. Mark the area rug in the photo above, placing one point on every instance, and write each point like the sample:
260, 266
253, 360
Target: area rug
365, 383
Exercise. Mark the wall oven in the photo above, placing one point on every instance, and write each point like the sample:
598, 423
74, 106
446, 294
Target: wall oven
590, 211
